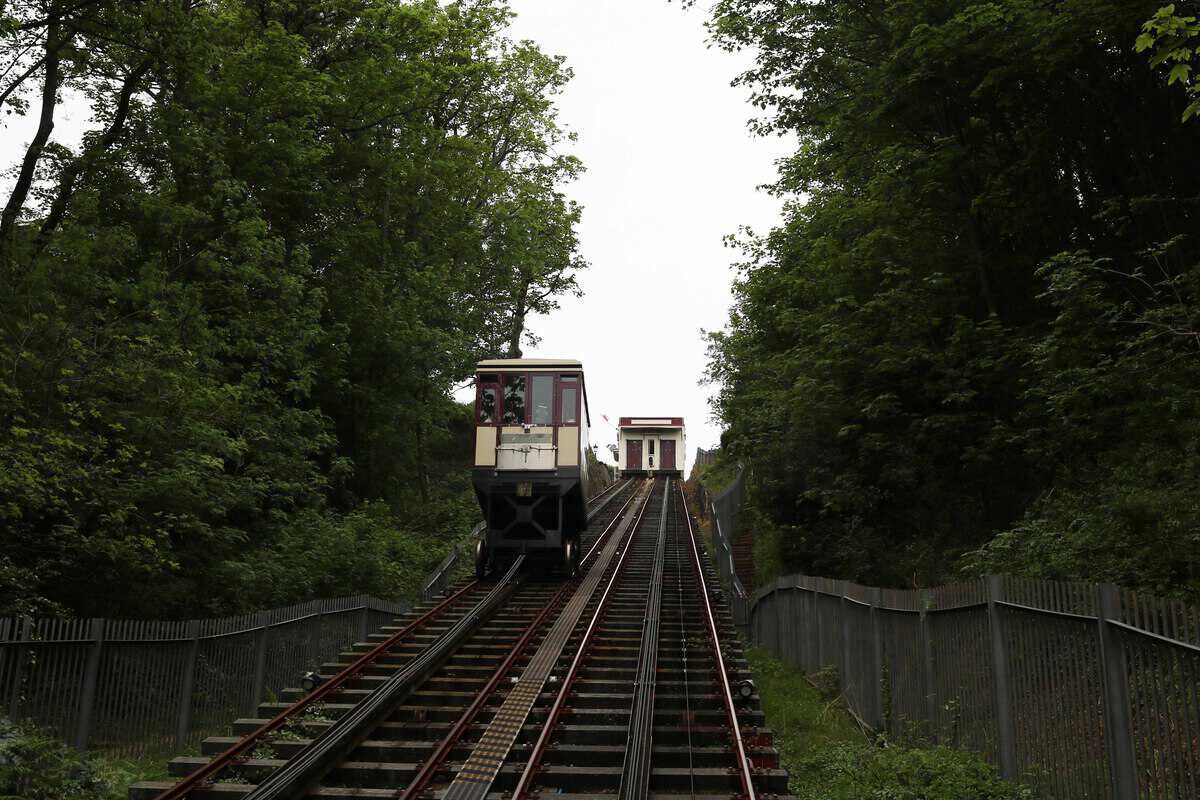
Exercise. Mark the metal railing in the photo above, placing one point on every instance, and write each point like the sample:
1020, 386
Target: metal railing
1081, 690
725, 509
141, 687
439, 580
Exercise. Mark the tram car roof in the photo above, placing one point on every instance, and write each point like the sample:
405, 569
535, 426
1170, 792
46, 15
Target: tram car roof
650, 422
528, 363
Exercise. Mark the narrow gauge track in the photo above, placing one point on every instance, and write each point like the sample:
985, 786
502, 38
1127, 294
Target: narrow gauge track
284, 730
602, 717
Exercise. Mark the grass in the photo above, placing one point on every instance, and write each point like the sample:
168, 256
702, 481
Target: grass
829, 758
126, 772
808, 726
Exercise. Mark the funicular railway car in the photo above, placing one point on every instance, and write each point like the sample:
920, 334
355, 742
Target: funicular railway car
531, 437
650, 446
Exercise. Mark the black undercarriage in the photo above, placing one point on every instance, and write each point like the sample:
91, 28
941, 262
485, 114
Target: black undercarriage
539, 514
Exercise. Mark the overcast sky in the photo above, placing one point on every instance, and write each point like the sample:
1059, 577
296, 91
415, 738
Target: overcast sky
671, 169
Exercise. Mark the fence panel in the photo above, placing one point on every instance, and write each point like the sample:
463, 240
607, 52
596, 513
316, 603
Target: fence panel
923, 666
142, 687
1162, 649
726, 507
904, 661
1099, 703
963, 691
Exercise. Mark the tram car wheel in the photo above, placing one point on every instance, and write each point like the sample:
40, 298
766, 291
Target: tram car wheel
481, 561
571, 558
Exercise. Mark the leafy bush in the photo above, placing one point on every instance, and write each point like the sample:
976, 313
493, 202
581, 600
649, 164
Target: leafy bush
35, 766
935, 773
828, 758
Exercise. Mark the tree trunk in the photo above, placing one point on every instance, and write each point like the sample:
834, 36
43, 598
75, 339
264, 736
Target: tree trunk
33, 153
518, 322
66, 184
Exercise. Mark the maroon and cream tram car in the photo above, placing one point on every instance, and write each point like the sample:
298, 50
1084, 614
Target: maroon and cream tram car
650, 446
531, 438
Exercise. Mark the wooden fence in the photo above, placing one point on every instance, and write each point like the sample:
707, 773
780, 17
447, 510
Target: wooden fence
135, 687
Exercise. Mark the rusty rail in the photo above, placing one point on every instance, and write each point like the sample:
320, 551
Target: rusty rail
744, 767
185, 787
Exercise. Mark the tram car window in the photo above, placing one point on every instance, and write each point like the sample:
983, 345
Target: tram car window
530, 468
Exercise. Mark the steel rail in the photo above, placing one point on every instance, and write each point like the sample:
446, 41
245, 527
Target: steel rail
637, 767
683, 651
596, 545
226, 759
236, 752
435, 761
744, 773
543, 740
302, 770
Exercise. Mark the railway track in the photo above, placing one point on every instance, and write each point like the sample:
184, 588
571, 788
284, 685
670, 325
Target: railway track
618, 683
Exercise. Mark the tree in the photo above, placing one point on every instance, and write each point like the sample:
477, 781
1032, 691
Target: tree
974, 321
236, 313
1171, 37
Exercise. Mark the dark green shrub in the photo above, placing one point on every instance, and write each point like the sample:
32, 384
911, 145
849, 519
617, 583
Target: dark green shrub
35, 766
934, 773
826, 682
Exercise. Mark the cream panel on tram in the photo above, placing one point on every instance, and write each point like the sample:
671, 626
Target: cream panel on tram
568, 446
485, 446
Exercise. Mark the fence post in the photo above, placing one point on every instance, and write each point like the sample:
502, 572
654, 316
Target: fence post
780, 620
259, 690
844, 664
21, 655
818, 650
364, 622
188, 685
1118, 727
1005, 726
877, 660
927, 658
87, 698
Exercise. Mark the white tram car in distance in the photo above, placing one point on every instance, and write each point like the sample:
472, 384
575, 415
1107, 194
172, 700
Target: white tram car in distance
531, 438
650, 446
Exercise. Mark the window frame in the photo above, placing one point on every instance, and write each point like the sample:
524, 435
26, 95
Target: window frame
504, 376
563, 381
496, 382
573, 380
529, 379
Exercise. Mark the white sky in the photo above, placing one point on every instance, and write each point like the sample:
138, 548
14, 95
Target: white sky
671, 169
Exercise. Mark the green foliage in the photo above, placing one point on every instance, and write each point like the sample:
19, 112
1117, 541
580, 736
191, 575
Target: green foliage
975, 333
36, 766
1170, 35
230, 331
828, 758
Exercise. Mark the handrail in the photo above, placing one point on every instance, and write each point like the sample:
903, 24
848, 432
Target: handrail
734, 581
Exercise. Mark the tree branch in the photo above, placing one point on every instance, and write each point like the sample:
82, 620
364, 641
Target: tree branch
34, 152
12, 87
70, 174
